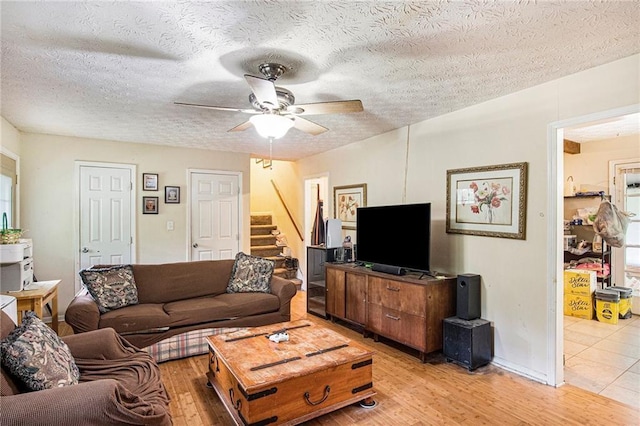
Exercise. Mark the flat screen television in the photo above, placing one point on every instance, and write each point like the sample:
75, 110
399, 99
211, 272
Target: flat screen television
397, 235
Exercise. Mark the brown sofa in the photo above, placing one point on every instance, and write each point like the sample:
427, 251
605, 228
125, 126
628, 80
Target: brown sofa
119, 384
177, 298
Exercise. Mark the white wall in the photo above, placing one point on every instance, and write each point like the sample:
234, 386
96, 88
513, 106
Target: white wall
509, 129
48, 196
590, 168
10, 137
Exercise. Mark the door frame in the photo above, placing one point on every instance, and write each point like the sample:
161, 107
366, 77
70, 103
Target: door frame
321, 179
16, 158
617, 198
76, 210
238, 174
555, 232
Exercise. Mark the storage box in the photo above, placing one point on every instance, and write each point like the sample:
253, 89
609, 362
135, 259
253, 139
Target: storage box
607, 306
12, 253
626, 296
315, 372
579, 306
579, 281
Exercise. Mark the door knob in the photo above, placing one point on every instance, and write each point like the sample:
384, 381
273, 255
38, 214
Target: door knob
85, 250
195, 245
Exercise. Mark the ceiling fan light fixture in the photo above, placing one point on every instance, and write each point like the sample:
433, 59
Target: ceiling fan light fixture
271, 125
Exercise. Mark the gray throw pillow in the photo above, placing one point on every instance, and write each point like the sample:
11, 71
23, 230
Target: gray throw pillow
35, 355
251, 274
112, 288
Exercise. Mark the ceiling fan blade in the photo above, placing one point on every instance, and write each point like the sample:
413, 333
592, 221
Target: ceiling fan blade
335, 107
264, 90
247, 111
308, 126
241, 127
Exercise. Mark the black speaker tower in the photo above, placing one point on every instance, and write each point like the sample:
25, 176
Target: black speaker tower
468, 339
468, 297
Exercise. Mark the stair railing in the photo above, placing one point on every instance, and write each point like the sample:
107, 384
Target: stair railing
295, 225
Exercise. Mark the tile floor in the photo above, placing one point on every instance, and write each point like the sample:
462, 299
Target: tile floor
604, 358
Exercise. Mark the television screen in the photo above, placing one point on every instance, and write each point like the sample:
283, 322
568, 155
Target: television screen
398, 235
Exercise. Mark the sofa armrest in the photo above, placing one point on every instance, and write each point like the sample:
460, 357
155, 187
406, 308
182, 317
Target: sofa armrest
112, 346
82, 314
282, 288
99, 402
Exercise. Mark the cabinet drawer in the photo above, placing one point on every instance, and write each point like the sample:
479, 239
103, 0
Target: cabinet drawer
408, 298
402, 327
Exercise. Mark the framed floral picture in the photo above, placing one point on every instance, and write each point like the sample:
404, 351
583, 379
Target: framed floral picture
489, 201
346, 200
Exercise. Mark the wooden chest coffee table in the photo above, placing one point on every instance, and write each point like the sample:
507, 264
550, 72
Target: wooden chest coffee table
263, 382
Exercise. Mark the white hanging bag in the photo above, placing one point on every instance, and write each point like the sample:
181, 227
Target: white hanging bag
611, 224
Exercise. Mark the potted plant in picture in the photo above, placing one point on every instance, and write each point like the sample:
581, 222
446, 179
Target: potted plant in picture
9, 235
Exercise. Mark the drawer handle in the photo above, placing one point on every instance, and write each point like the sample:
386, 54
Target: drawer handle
393, 288
237, 404
392, 317
327, 389
214, 361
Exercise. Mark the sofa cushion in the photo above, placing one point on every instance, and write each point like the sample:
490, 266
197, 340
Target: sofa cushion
144, 316
112, 287
168, 282
251, 274
35, 354
222, 307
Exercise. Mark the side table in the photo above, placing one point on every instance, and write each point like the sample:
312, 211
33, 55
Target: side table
38, 294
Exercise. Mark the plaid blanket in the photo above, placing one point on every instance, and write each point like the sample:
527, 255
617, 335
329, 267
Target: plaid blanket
185, 345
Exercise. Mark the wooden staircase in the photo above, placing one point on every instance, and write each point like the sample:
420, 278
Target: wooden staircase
263, 244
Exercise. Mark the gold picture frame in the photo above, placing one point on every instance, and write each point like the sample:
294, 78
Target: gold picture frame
346, 200
489, 201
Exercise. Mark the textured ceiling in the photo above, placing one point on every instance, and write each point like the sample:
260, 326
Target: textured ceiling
112, 70
625, 125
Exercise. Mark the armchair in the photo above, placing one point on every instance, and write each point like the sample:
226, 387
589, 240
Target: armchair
119, 385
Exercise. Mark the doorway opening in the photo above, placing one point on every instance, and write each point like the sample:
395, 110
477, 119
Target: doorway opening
315, 188
558, 346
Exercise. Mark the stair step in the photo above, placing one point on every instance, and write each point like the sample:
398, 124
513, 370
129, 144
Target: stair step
297, 282
263, 240
267, 251
261, 219
281, 271
288, 275
262, 229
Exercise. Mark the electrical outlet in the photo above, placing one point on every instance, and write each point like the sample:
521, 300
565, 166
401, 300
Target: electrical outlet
169, 225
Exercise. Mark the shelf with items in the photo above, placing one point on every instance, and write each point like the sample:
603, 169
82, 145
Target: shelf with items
317, 256
581, 239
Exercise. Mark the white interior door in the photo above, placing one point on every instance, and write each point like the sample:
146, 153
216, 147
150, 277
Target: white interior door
215, 215
105, 215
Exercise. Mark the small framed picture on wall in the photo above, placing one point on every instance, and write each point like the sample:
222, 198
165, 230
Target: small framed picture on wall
150, 205
172, 194
149, 181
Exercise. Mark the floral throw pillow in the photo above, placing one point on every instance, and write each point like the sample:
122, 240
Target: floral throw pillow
251, 274
112, 288
35, 355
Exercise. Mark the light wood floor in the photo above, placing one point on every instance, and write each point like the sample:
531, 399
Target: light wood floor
412, 393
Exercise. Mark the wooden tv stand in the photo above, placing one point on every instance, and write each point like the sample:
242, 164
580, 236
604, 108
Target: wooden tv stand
407, 309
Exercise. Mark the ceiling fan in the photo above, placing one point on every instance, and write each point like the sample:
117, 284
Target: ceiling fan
274, 109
